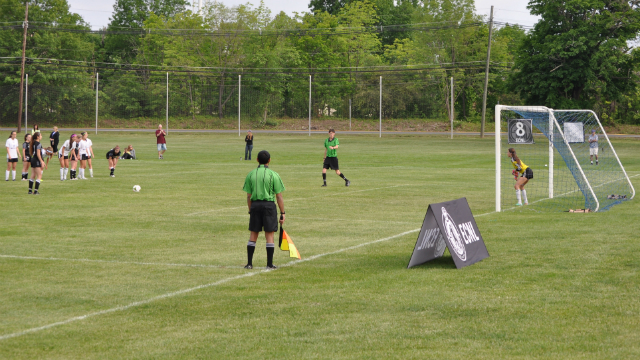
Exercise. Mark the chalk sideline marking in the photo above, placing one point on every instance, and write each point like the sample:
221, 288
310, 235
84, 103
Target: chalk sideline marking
185, 291
118, 262
295, 199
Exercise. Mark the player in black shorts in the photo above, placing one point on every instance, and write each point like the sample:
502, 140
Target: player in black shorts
26, 159
74, 156
331, 144
112, 156
35, 152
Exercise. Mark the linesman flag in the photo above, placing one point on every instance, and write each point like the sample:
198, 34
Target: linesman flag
286, 244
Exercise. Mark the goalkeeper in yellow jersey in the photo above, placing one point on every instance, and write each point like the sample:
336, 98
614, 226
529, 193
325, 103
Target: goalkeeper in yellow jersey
525, 173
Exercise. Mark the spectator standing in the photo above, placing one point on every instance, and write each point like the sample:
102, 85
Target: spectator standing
162, 143
249, 146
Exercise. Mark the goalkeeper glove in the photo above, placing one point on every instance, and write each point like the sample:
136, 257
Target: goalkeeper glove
515, 174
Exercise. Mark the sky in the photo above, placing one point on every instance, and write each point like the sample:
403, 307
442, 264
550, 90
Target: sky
97, 13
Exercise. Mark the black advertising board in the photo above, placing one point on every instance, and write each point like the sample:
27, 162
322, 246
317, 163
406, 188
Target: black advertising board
449, 224
520, 131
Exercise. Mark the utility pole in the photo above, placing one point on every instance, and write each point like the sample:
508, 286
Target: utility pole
25, 25
486, 75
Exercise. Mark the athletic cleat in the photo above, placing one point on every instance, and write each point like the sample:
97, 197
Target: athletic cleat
36, 193
325, 185
74, 179
112, 175
347, 183
248, 267
30, 192
518, 204
271, 267
526, 203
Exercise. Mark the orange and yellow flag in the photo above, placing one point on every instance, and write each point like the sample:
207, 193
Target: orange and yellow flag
286, 244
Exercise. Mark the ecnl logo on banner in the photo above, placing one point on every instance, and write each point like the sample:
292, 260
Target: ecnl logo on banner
449, 224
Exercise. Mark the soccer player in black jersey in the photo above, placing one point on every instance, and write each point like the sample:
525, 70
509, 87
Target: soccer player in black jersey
26, 159
35, 152
112, 156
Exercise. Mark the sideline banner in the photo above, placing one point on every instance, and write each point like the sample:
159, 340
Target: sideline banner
449, 225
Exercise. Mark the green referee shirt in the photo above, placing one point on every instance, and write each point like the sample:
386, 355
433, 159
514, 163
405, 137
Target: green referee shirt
263, 184
328, 143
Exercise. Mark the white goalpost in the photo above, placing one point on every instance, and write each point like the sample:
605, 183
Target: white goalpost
570, 168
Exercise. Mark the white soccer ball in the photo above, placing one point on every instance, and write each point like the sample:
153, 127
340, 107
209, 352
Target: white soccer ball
545, 165
136, 188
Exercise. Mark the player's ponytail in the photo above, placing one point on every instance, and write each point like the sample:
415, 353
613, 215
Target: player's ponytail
33, 140
514, 156
70, 142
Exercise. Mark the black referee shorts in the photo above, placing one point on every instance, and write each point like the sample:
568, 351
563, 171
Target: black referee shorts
331, 163
263, 215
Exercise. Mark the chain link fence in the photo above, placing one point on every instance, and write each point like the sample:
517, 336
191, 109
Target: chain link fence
135, 100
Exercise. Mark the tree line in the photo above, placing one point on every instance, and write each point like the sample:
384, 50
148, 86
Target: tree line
579, 55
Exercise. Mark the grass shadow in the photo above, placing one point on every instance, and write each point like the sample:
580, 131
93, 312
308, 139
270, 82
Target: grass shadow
444, 262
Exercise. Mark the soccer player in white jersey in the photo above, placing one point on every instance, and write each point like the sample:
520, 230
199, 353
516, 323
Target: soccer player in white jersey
12, 155
593, 146
90, 153
83, 155
63, 156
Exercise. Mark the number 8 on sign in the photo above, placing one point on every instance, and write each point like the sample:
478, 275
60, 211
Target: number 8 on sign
520, 131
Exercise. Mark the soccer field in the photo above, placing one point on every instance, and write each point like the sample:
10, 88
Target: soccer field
92, 270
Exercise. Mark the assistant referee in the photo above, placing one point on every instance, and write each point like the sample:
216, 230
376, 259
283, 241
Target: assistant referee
263, 186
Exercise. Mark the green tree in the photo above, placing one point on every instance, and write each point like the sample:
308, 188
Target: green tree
578, 54
329, 6
130, 15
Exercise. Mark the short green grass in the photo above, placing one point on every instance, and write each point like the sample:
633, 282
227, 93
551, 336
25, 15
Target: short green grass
557, 285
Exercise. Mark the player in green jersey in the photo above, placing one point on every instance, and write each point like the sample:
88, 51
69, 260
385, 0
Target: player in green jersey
331, 144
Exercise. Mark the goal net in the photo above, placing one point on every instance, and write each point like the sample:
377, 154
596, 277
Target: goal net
556, 145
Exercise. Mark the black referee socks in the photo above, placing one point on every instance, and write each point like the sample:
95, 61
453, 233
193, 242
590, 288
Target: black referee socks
251, 247
270, 249
324, 178
343, 178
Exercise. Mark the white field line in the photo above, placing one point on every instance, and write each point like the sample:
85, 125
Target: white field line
185, 291
118, 262
296, 199
573, 191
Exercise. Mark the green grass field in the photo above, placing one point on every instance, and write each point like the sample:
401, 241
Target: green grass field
92, 270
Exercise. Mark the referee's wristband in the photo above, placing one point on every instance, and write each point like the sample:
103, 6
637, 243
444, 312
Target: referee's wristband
282, 213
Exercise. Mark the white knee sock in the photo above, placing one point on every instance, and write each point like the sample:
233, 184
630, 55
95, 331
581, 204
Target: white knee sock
524, 196
518, 197
13, 174
82, 173
7, 176
66, 171
91, 172
61, 174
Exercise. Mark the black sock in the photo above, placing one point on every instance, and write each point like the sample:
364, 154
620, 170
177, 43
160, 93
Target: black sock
112, 170
270, 249
73, 174
30, 185
251, 247
342, 176
324, 178
37, 185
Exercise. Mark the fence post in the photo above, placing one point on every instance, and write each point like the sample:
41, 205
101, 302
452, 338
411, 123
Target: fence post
349, 114
97, 89
380, 106
451, 105
309, 105
167, 109
26, 102
239, 90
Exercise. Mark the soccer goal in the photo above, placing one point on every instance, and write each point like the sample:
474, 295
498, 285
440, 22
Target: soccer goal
556, 145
